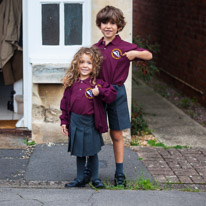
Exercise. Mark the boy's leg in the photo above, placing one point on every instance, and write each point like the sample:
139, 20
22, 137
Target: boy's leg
118, 147
118, 115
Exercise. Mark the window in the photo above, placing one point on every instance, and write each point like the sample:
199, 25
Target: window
58, 29
50, 24
73, 24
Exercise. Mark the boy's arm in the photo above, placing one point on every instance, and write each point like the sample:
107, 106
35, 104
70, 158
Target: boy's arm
133, 54
106, 92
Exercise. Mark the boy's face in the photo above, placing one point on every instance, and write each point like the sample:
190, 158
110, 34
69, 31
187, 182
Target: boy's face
109, 30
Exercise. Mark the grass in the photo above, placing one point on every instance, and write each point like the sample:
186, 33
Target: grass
141, 183
188, 189
154, 143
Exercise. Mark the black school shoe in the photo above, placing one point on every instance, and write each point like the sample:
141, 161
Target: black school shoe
75, 183
87, 175
98, 184
120, 179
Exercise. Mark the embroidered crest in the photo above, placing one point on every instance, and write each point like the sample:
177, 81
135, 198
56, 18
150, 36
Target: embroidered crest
116, 53
88, 93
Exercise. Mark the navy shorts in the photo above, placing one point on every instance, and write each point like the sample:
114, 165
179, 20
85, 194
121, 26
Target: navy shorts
118, 113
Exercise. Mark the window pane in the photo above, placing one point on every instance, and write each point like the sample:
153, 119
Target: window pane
73, 24
50, 24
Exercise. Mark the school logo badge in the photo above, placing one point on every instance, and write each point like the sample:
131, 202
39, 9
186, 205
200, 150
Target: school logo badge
88, 93
116, 53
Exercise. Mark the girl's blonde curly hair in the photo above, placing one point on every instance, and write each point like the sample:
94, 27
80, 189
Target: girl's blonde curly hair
73, 74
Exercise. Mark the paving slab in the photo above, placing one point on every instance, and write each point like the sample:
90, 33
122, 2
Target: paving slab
54, 163
12, 164
167, 122
88, 197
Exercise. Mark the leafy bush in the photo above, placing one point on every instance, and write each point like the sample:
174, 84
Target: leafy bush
138, 124
146, 69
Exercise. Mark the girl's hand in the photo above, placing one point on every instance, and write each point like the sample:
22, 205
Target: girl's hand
64, 129
95, 91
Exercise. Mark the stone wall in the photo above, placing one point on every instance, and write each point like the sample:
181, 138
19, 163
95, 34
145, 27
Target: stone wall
179, 26
46, 112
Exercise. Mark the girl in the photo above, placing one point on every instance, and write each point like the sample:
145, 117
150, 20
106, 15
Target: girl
83, 117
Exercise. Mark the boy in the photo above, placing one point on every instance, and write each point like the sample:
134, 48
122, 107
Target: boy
115, 68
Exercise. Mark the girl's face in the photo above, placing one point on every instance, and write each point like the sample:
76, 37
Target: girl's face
109, 30
85, 66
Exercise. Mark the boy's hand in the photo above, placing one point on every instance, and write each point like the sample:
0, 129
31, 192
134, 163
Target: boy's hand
64, 129
95, 91
144, 55
131, 55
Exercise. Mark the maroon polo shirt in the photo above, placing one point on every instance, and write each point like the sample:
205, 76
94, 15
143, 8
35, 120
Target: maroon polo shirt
82, 98
115, 67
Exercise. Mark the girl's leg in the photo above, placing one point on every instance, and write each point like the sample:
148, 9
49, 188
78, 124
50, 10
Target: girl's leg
79, 181
93, 163
87, 172
80, 167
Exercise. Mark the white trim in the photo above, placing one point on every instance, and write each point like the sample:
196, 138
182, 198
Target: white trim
60, 53
27, 70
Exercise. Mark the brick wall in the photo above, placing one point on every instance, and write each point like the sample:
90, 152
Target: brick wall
179, 26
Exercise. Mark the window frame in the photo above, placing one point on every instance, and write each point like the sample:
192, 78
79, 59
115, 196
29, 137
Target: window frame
55, 53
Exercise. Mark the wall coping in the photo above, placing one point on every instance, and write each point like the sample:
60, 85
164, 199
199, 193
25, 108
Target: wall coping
48, 73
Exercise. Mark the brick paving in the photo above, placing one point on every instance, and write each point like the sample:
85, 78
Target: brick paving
187, 166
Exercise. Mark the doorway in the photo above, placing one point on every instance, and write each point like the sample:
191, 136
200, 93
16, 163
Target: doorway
11, 63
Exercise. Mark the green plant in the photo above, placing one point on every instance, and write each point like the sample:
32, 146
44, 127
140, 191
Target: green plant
146, 69
134, 142
144, 184
192, 114
185, 102
29, 142
138, 124
162, 90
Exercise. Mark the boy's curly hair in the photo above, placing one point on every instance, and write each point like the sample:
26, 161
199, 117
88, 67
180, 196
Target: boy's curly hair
73, 74
113, 14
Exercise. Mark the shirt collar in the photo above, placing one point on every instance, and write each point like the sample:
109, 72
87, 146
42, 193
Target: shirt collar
86, 81
115, 41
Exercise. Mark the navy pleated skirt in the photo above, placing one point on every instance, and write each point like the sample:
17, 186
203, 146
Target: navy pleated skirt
84, 139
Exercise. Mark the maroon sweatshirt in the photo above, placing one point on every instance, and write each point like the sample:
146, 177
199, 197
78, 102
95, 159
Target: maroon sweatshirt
79, 99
